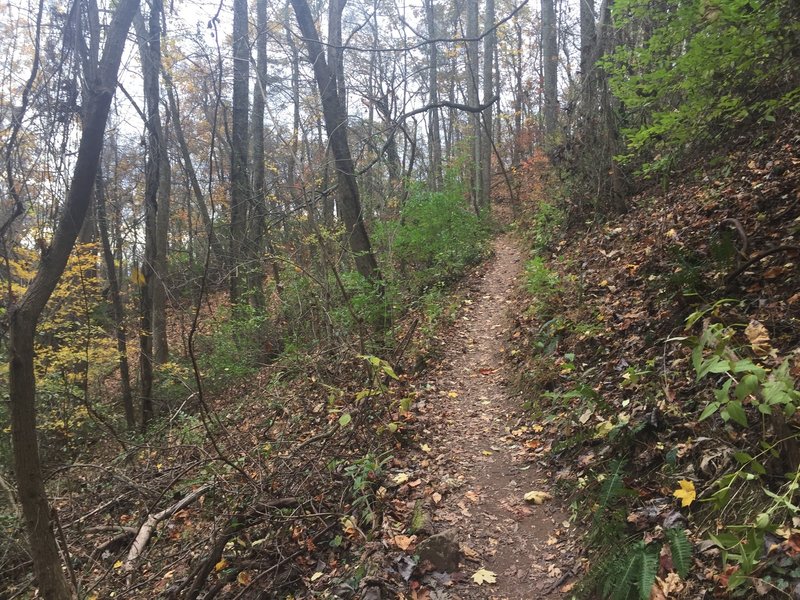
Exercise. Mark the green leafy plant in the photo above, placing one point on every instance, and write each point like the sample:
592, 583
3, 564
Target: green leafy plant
706, 68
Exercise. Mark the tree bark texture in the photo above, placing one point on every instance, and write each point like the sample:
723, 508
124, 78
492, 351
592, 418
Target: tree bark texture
240, 184
550, 69
149, 38
434, 135
489, 43
473, 85
24, 315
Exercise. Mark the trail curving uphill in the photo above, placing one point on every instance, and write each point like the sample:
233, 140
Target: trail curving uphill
480, 455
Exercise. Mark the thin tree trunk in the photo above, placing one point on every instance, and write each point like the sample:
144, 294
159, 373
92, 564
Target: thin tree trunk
434, 136
587, 36
240, 185
149, 39
473, 81
550, 68
489, 43
24, 315
160, 343
116, 303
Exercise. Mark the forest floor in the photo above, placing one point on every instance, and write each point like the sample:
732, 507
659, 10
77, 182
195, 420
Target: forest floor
476, 458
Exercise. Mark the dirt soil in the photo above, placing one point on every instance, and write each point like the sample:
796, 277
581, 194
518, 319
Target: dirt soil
481, 458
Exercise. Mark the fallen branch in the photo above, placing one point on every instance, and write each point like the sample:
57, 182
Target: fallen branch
146, 531
757, 258
235, 525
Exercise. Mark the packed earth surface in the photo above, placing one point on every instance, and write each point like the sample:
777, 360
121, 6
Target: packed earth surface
492, 495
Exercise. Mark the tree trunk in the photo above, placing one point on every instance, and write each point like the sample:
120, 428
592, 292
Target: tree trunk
24, 315
255, 271
434, 136
489, 43
336, 126
160, 343
240, 185
149, 39
116, 302
550, 68
473, 80
587, 36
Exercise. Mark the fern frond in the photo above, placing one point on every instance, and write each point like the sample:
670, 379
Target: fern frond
613, 486
648, 569
681, 550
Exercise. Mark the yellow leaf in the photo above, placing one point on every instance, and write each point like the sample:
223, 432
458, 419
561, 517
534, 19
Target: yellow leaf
316, 576
537, 428
758, 336
137, 277
452, 394
686, 492
221, 565
244, 578
482, 576
118, 564
425, 448
400, 478
537, 497
603, 429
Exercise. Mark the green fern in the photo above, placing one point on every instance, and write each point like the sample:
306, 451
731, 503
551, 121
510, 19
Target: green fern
608, 524
681, 550
613, 486
625, 576
647, 570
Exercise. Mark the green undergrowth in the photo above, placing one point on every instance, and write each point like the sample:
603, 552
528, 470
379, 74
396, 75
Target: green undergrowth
673, 425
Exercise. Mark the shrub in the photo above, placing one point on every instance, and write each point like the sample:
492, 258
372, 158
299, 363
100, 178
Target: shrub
706, 68
438, 238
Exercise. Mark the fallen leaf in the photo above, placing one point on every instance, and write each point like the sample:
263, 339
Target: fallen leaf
221, 565
244, 577
758, 336
118, 564
482, 576
468, 552
535, 497
453, 394
316, 576
471, 496
686, 492
400, 478
425, 448
436, 497
403, 541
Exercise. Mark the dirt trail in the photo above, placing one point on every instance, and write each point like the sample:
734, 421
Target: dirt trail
479, 455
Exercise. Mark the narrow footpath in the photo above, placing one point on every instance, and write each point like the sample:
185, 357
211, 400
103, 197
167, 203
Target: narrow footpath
481, 455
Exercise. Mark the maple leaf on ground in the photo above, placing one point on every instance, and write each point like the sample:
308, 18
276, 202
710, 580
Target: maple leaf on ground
482, 576
686, 493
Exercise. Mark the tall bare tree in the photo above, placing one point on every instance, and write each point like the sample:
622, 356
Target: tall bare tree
24, 314
550, 68
240, 139
348, 195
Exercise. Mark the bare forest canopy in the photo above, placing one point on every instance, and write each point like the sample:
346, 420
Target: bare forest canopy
202, 203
